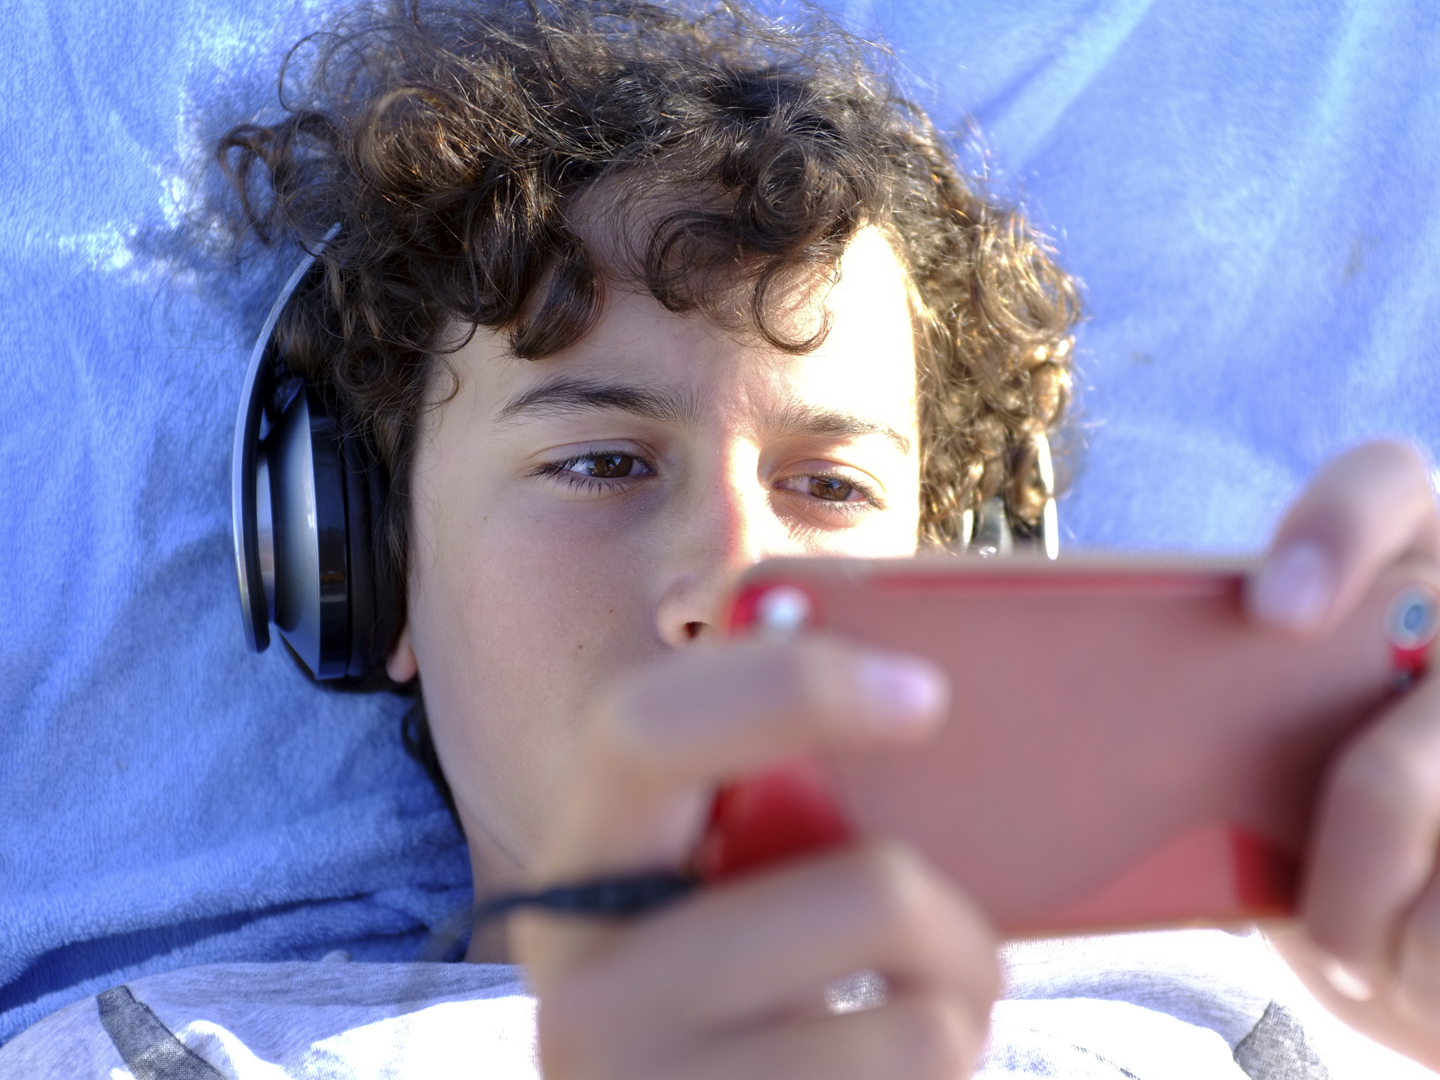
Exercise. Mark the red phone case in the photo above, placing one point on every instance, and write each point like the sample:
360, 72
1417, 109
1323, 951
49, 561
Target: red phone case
1124, 748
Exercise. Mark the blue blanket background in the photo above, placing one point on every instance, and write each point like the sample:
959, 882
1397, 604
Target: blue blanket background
1247, 190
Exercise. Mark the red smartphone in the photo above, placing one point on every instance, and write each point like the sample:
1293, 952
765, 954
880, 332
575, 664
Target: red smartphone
1125, 749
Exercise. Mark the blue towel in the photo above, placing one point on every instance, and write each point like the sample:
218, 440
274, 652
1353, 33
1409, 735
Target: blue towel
167, 798
1248, 192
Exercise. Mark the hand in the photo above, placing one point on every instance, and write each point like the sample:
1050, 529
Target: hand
731, 982
1369, 940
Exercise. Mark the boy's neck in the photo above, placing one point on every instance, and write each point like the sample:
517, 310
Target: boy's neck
494, 871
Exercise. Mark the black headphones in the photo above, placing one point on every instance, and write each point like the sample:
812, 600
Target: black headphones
307, 499
990, 531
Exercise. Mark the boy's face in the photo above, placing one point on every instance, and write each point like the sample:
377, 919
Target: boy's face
581, 514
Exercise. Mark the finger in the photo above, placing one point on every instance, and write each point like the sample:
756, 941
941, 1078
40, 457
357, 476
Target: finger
1362, 511
661, 739
1419, 962
1374, 1011
767, 946
1375, 836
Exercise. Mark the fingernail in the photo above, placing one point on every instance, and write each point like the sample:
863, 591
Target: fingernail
1294, 588
901, 687
1347, 981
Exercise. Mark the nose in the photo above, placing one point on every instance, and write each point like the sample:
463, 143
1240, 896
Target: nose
722, 523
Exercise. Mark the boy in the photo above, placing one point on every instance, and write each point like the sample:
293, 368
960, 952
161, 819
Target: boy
625, 299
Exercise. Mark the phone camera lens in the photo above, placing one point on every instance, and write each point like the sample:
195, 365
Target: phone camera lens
1413, 619
784, 610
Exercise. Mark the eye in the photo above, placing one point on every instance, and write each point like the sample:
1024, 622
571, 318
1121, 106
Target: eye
605, 466
598, 472
830, 488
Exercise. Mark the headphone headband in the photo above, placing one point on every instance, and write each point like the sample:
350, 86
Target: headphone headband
257, 588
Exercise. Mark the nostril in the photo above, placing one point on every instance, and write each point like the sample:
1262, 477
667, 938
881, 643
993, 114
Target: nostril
693, 629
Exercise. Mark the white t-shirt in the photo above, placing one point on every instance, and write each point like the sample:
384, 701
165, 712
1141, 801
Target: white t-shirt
1185, 1005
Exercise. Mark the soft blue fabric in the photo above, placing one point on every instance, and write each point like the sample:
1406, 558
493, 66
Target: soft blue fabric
1248, 190
166, 798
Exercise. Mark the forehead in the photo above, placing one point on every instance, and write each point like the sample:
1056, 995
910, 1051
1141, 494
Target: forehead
865, 365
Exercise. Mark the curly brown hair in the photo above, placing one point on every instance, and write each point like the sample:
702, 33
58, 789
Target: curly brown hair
454, 145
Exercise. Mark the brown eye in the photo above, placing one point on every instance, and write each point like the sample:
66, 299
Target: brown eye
831, 488
607, 466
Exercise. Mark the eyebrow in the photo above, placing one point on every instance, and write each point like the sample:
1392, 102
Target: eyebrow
798, 418
565, 396
580, 395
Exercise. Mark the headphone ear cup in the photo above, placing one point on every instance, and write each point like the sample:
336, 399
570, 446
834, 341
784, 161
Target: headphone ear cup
307, 486
374, 603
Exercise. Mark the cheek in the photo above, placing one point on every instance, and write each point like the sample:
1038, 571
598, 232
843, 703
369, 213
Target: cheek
904, 525
517, 619
896, 532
